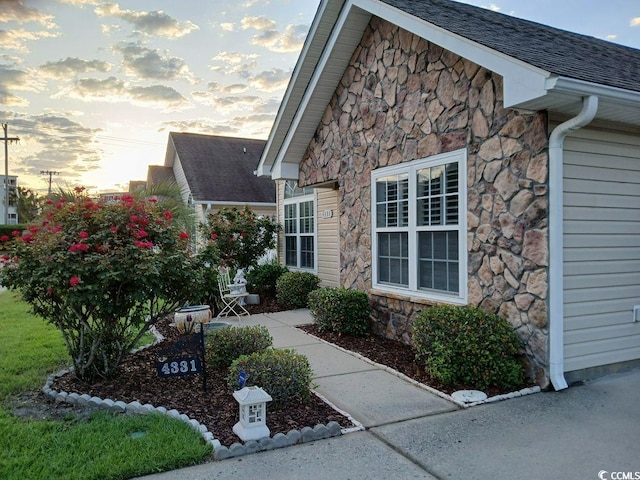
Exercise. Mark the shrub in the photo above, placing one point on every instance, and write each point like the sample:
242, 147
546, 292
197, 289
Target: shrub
102, 273
262, 279
340, 310
466, 346
237, 238
283, 374
293, 288
229, 343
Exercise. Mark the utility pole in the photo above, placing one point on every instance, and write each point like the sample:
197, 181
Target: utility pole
5, 127
50, 173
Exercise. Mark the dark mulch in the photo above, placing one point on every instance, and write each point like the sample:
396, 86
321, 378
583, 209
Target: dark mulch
394, 354
137, 380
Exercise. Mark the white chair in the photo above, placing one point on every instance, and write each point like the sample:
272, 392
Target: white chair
230, 299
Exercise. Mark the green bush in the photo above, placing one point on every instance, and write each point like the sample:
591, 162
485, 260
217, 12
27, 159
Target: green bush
229, 343
262, 279
283, 374
293, 288
340, 310
466, 346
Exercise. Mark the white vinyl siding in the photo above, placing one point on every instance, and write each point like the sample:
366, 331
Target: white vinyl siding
328, 238
601, 248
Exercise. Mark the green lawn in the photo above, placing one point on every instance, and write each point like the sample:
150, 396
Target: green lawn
104, 446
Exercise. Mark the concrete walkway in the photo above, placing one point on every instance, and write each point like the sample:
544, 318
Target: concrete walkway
412, 433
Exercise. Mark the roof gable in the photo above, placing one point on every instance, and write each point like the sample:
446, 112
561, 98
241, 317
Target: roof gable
221, 169
538, 73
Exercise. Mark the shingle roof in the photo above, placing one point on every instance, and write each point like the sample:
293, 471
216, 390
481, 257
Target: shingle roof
158, 174
560, 52
221, 168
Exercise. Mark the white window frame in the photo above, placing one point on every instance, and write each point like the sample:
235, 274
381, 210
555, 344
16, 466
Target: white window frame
412, 168
297, 200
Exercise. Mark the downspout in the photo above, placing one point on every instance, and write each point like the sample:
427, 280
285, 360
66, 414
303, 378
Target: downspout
556, 232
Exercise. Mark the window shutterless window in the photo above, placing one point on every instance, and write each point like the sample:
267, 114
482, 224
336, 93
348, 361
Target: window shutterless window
299, 226
419, 225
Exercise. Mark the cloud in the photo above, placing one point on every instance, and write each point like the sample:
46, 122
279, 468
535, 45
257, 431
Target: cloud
235, 63
16, 11
145, 63
81, 3
635, 22
227, 27
611, 37
70, 67
52, 141
288, 42
257, 23
16, 79
16, 38
156, 23
113, 90
270, 80
492, 6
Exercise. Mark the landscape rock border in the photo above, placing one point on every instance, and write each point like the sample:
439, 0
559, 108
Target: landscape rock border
495, 398
221, 452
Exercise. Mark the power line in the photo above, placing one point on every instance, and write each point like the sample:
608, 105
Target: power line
50, 173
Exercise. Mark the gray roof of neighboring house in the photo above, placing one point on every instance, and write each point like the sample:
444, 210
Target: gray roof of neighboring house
221, 168
558, 51
158, 174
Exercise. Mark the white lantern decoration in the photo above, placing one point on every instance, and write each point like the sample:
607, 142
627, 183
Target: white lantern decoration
253, 413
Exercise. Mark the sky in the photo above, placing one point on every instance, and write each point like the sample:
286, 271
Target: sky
93, 88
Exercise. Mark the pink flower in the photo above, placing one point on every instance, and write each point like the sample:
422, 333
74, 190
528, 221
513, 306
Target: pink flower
182, 235
168, 215
33, 229
83, 234
56, 229
15, 233
143, 244
79, 189
4, 238
114, 229
141, 233
49, 202
79, 247
50, 290
214, 235
73, 281
27, 239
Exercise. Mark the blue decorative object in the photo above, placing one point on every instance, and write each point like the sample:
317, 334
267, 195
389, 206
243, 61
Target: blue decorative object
242, 379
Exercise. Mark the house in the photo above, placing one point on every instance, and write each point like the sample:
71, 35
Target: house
8, 207
444, 153
216, 172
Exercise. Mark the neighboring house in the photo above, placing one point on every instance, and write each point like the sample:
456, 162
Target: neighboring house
444, 153
8, 214
215, 172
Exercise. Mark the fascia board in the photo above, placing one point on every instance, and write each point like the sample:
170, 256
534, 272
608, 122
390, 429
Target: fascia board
582, 88
265, 165
285, 171
323, 61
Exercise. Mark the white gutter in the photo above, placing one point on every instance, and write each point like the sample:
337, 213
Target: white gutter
556, 218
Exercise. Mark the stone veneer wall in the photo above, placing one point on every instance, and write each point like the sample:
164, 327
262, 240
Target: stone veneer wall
402, 98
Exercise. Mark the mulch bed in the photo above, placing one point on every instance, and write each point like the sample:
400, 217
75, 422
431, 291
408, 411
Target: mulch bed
137, 380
